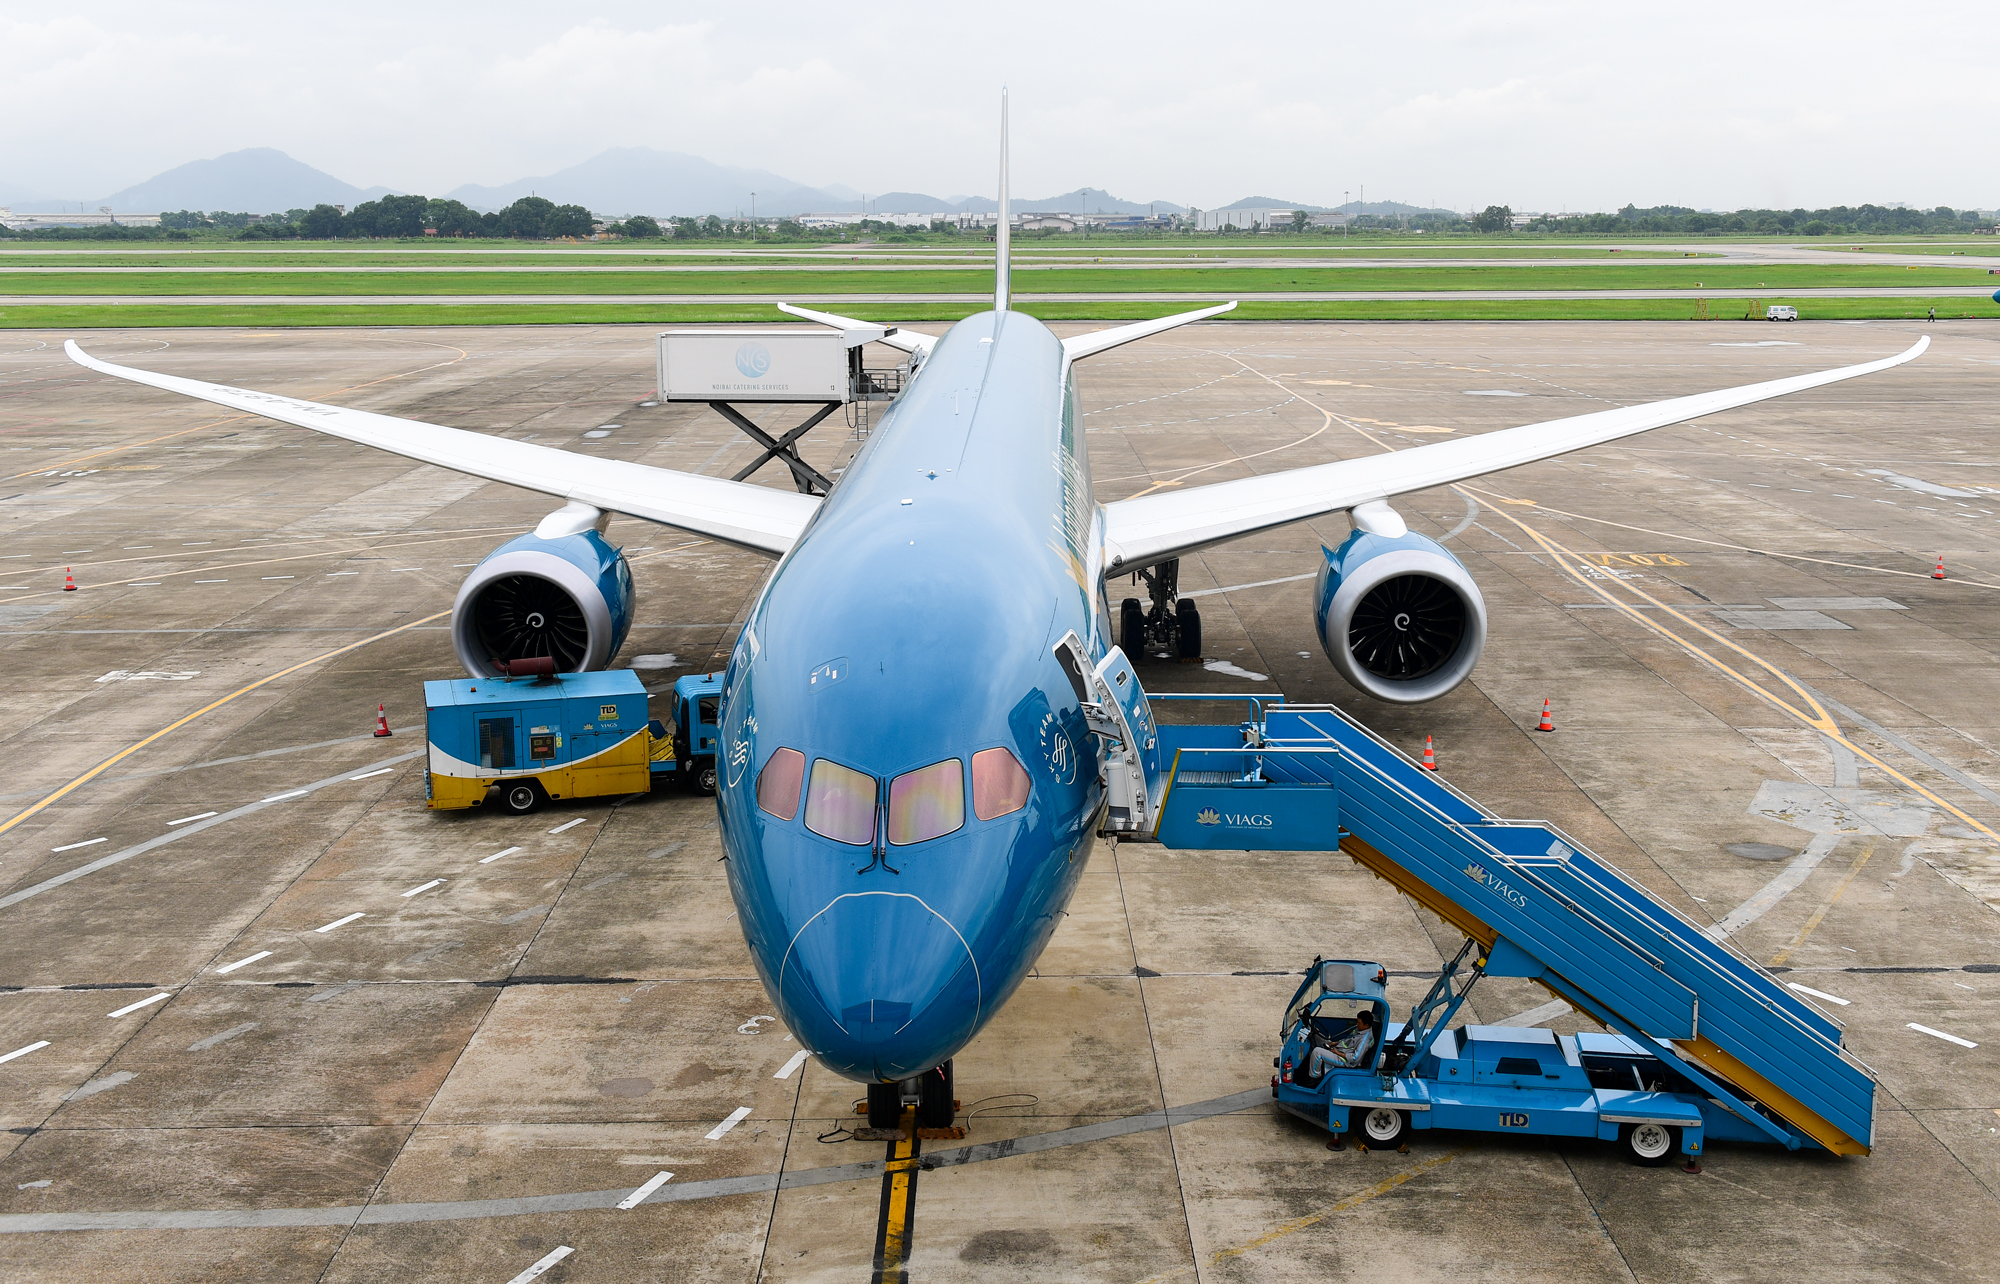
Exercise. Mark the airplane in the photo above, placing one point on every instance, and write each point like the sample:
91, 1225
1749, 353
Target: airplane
926, 718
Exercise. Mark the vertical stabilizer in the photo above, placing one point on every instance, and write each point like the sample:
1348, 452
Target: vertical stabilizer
1001, 269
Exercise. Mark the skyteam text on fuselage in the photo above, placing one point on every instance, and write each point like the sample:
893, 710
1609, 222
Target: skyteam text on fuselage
914, 763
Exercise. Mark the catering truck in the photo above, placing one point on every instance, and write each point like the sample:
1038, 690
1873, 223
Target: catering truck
543, 736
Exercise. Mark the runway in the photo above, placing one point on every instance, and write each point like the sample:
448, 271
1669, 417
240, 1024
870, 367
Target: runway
395, 1043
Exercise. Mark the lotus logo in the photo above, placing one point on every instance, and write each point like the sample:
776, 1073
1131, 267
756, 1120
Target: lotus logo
754, 360
1477, 873
1208, 816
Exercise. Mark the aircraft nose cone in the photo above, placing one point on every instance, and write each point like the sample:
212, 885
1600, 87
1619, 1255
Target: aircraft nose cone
880, 986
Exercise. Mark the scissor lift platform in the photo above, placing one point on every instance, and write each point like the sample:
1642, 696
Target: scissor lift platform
1296, 777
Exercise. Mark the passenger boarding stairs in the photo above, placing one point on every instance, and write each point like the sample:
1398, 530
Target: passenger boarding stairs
1308, 778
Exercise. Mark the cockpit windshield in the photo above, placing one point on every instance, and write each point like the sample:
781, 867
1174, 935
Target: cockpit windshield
840, 803
927, 803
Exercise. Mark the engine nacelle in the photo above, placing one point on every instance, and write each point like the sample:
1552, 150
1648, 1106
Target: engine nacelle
569, 599
1399, 618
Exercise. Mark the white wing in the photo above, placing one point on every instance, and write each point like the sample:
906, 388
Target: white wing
907, 340
753, 517
1080, 346
1153, 528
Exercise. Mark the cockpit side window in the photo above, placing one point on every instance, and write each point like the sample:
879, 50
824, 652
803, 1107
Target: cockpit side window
840, 803
927, 803
999, 785
778, 784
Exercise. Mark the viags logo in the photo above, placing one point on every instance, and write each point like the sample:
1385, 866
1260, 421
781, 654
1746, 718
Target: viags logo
1210, 816
1478, 874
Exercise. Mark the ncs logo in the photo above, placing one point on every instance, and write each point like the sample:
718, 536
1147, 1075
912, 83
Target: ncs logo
754, 360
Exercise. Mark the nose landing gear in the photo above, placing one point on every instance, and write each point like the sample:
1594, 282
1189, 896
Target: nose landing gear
929, 1094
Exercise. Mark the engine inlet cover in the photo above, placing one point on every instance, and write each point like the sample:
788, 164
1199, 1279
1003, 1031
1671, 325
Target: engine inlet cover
1400, 618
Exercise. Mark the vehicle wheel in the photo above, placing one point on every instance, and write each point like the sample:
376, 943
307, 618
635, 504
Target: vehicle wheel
885, 1105
1650, 1144
937, 1108
1379, 1126
1189, 618
704, 777
521, 797
1131, 628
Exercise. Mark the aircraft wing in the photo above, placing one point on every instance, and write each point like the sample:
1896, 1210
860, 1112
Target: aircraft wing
758, 518
1077, 347
1152, 528
907, 340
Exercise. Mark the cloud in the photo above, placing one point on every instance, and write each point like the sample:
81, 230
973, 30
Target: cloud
1560, 103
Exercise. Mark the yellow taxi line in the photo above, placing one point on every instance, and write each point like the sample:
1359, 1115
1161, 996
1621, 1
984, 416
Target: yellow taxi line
178, 723
1819, 720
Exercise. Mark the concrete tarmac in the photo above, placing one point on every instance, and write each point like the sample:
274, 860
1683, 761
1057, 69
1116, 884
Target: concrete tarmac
472, 1074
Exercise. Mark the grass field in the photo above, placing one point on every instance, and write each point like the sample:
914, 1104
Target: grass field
252, 283
1029, 278
1986, 247
595, 259
57, 316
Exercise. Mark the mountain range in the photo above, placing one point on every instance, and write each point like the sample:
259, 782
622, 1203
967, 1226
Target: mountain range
617, 182
256, 180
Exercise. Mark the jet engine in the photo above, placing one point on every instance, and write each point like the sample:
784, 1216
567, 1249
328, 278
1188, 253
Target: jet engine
1399, 618
568, 598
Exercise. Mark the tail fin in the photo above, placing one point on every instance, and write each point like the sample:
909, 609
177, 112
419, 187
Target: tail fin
1002, 270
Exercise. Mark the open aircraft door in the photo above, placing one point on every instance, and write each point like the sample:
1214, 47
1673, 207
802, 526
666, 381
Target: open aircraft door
1122, 718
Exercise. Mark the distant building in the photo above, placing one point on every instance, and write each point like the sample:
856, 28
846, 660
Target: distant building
1046, 222
1268, 219
103, 218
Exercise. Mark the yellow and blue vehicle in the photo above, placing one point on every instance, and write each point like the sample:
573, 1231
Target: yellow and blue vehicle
570, 735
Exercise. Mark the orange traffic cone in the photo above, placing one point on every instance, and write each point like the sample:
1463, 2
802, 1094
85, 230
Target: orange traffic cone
1430, 759
382, 722
1548, 722
69, 585
1938, 574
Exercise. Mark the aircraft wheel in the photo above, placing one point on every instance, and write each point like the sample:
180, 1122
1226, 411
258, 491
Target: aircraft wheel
885, 1105
1189, 617
1132, 629
1379, 1126
521, 797
1650, 1144
937, 1108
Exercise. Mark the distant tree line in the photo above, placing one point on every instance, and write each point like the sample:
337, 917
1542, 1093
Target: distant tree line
532, 218
535, 218
1678, 220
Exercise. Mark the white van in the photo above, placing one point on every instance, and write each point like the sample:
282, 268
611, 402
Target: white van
1779, 312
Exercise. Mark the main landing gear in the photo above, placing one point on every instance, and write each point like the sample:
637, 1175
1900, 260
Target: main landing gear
930, 1093
1171, 629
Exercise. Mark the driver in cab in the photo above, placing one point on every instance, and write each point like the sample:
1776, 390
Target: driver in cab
1348, 1052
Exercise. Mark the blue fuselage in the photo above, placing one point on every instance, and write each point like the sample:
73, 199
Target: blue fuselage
910, 628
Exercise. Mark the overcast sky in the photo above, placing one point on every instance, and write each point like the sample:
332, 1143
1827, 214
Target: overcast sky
1539, 106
